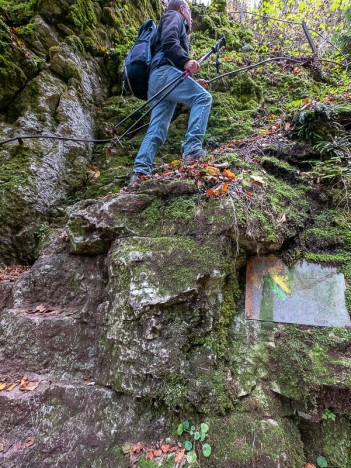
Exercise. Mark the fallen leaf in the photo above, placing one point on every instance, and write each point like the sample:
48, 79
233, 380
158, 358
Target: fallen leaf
258, 180
307, 175
126, 448
24, 382
10, 387
157, 453
93, 172
166, 448
40, 308
282, 219
137, 447
150, 455
221, 190
31, 386
179, 456
249, 194
212, 171
229, 174
29, 442
2, 386
89, 383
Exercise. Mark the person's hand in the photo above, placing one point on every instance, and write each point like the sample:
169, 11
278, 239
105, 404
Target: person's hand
203, 83
193, 66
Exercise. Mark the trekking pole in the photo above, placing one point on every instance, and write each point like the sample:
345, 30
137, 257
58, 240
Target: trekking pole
146, 103
169, 88
249, 67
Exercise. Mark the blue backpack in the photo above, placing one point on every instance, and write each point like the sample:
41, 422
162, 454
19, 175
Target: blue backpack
137, 63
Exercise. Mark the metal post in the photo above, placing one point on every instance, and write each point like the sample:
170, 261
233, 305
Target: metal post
309, 38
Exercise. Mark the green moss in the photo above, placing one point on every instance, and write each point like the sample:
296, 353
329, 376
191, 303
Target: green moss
82, 14
19, 12
144, 463
236, 438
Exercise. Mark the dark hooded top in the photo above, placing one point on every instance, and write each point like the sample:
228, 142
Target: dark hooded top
172, 45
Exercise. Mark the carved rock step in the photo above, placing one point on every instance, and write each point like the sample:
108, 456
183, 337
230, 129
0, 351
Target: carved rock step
70, 423
62, 343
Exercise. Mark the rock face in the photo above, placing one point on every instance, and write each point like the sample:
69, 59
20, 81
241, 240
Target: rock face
51, 83
145, 328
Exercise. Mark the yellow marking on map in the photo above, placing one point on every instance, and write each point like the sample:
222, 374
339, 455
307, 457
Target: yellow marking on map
281, 281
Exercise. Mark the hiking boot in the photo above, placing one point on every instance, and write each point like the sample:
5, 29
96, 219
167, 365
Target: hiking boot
188, 159
135, 179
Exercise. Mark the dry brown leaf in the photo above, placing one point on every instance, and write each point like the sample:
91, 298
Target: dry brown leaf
213, 171
179, 456
221, 190
258, 180
310, 465
10, 387
157, 453
282, 219
24, 382
307, 175
150, 455
31, 386
166, 448
2, 386
29, 442
229, 174
136, 448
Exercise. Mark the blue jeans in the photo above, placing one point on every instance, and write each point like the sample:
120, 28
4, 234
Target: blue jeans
190, 93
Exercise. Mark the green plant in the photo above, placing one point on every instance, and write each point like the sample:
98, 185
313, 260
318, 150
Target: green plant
315, 121
42, 231
198, 435
338, 147
328, 415
322, 462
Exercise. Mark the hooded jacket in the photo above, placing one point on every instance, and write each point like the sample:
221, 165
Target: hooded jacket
172, 45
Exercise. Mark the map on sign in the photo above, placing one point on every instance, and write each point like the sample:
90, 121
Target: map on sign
306, 293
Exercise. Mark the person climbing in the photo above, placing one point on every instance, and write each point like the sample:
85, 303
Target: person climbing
171, 58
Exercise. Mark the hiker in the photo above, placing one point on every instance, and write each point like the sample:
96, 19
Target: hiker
171, 58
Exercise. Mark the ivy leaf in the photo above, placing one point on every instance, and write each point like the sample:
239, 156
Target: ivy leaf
180, 429
322, 462
202, 436
185, 425
188, 445
193, 428
206, 450
197, 435
204, 428
191, 458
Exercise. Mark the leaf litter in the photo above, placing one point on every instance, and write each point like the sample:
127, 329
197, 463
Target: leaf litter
24, 384
159, 451
11, 274
39, 310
